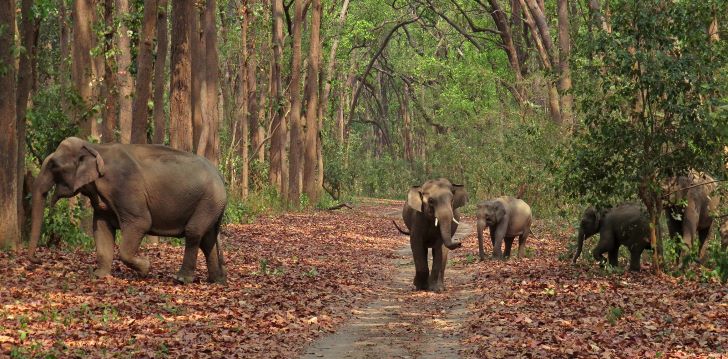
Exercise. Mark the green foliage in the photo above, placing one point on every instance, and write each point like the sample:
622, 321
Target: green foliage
614, 314
61, 224
48, 122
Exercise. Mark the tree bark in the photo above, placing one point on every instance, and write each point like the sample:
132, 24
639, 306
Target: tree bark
329, 74
9, 225
180, 114
212, 115
83, 42
311, 163
198, 73
26, 76
243, 104
123, 76
159, 74
109, 93
140, 110
278, 126
295, 164
567, 102
64, 42
501, 23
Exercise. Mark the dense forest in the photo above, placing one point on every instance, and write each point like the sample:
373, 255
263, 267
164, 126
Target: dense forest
308, 104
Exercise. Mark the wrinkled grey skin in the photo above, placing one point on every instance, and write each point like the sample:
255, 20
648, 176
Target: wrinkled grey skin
507, 218
688, 209
138, 189
434, 199
623, 225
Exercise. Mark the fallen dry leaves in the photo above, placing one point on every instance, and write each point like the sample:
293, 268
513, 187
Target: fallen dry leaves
296, 277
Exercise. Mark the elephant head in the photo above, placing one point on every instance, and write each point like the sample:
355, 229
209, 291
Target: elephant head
591, 223
74, 164
438, 199
490, 213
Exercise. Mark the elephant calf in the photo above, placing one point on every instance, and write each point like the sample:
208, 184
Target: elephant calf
626, 225
431, 216
507, 218
138, 189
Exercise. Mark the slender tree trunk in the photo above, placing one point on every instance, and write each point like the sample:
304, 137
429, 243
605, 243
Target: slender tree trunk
243, 104
26, 74
81, 71
212, 115
123, 75
109, 93
198, 73
9, 225
329, 74
295, 164
501, 22
278, 126
159, 73
310, 180
140, 110
564, 69
64, 41
180, 114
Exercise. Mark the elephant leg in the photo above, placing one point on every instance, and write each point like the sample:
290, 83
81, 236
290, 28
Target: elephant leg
703, 234
439, 261
213, 255
601, 248
724, 235
104, 239
613, 256
689, 229
509, 245
129, 248
419, 254
481, 250
186, 273
635, 254
522, 242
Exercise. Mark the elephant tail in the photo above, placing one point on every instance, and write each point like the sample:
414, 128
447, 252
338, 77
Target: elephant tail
220, 259
400, 229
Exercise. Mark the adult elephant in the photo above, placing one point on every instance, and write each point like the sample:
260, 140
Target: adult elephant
506, 217
431, 216
623, 225
691, 199
138, 189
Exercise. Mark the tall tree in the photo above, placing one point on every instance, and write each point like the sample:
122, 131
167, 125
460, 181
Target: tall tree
278, 127
295, 161
123, 75
564, 58
212, 115
243, 100
109, 93
142, 90
159, 73
26, 75
180, 111
311, 160
81, 73
197, 58
9, 225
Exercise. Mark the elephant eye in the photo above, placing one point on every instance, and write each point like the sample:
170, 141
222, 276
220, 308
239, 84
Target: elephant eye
430, 201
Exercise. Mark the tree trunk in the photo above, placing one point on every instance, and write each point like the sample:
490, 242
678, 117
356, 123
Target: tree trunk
140, 110
212, 115
123, 76
278, 126
180, 114
64, 42
295, 164
109, 93
159, 74
310, 180
26, 75
83, 42
501, 22
9, 225
564, 69
243, 104
198, 73
329, 74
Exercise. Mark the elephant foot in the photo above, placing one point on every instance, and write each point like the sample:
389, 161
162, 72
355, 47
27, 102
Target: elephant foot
143, 266
101, 273
217, 278
183, 277
436, 287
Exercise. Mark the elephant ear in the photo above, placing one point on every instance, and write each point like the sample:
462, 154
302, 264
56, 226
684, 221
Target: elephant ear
459, 196
500, 211
90, 167
415, 199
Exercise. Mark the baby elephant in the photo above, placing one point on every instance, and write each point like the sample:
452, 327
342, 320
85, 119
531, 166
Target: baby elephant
506, 217
626, 224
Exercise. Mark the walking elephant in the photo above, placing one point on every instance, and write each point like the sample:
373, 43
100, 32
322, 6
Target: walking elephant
507, 218
691, 199
431, 216
138, 189
623, 225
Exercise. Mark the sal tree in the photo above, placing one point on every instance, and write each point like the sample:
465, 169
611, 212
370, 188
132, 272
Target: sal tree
651, 88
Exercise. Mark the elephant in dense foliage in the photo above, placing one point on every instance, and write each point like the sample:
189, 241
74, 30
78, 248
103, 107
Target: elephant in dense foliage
623, 225
431, 216
507, 218
691, 199
138, 189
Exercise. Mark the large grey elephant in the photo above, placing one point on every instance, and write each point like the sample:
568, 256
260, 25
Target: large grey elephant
431, 216
507, 218
691, 199
623, 225
138, 189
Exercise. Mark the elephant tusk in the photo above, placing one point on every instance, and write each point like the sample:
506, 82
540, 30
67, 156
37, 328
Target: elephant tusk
435, 221
456, 221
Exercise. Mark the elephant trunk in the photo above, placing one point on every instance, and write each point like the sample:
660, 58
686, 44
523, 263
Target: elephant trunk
42, 185
444, 219
579, 244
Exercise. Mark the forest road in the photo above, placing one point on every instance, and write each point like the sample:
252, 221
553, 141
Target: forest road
402, 322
